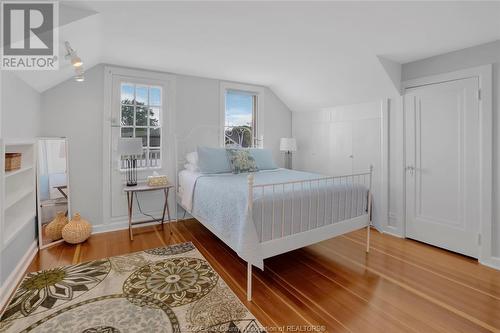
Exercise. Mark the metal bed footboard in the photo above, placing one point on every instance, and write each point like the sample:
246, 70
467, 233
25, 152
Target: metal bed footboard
281, 241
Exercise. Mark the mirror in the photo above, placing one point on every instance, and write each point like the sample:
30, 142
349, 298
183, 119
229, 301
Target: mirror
52, 189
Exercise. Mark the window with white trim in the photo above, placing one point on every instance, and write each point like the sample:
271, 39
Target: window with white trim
141, 117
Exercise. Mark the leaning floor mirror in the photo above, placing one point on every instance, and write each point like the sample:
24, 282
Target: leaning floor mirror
53, 190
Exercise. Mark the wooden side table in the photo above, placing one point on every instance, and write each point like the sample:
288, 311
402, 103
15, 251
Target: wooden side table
64, 194
146, 188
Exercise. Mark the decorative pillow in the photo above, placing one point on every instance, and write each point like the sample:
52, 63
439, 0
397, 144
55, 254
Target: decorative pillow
213, 160
241, 161
263, 158
191, 167
192, 158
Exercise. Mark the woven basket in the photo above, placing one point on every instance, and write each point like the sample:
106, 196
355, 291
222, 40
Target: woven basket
12, 161
53, 230
77, 230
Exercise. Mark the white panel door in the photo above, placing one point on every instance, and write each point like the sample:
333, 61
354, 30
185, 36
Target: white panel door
442, 165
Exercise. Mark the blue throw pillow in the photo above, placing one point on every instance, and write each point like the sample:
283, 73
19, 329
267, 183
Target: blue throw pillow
213, 160
263, 158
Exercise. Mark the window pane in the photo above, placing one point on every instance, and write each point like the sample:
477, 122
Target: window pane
127, 132
127, 93
154, 158
155, 96
239, 109
127, 115
141, 95
141, 160
142, 133
154, 117
154, 137
141, 116
239, 118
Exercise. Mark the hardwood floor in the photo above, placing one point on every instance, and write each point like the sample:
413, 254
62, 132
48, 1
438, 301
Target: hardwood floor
400, 286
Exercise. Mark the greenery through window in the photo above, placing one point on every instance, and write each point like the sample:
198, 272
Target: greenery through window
240, 118
141, 107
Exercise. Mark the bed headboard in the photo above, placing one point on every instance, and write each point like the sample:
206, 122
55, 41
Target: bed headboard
202, 135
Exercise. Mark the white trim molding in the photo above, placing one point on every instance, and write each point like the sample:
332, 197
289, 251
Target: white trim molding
484, 74
384, 164
168, 81
17, 274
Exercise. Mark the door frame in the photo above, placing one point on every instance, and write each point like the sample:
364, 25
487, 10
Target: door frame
484, 75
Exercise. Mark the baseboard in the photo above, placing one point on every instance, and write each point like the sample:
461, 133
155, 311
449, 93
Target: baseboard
15, 277
119, 224
390, 230
492, 262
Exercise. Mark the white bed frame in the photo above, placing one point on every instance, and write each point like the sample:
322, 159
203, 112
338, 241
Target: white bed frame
284, 243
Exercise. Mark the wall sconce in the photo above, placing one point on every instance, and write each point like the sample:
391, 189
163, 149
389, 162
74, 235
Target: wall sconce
76, 62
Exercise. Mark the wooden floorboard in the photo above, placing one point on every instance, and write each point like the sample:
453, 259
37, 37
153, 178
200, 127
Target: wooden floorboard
400, 286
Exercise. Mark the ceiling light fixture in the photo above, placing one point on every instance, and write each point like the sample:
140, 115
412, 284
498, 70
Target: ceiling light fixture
76, 62
79, 78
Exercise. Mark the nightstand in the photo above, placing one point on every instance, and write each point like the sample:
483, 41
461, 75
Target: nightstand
132, 190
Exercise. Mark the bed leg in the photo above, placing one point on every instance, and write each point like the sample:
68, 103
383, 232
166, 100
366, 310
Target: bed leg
370, 207
368, 238
249, 282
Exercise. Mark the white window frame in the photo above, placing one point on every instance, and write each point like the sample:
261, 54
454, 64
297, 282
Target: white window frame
256, 91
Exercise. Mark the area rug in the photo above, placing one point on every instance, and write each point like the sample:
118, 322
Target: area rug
170, 289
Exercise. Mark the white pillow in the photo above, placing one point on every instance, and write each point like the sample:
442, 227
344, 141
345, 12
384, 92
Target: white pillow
191, 167
192, 158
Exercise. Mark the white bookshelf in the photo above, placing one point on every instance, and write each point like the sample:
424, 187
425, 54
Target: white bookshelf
18, 189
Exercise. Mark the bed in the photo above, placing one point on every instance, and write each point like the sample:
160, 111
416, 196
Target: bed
270, 212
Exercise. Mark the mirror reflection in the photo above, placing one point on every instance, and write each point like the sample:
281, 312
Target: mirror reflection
53, 189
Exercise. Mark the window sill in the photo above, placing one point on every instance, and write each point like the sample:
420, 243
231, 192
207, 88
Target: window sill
141, 169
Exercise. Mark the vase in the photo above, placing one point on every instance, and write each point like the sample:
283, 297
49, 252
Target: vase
53, 230
77, 230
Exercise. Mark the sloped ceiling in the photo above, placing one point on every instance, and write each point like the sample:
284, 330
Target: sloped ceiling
312, 54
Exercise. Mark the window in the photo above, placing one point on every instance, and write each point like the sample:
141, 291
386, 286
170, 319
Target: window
140, 117
240, 118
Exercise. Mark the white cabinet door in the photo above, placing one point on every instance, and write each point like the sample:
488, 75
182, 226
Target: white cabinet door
442, 165
340, 144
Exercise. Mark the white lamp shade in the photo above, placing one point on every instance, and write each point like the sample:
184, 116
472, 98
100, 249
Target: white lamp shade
288, 144
130, 146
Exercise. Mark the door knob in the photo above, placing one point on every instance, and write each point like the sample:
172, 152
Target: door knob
411, 169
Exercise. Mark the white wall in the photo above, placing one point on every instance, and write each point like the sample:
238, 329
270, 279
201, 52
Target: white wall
467, 58
21, 105
20, 119
75, 110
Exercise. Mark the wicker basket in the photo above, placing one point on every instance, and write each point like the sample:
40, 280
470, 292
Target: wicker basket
53, 230
77, 230
12, 161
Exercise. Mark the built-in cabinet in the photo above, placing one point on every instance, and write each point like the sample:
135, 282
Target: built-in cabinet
18, 190
17, 215
344, 140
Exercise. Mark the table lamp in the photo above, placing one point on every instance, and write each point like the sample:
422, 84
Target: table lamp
130, 147
288, 145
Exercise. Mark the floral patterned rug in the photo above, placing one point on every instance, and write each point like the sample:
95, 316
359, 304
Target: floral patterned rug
170, 289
